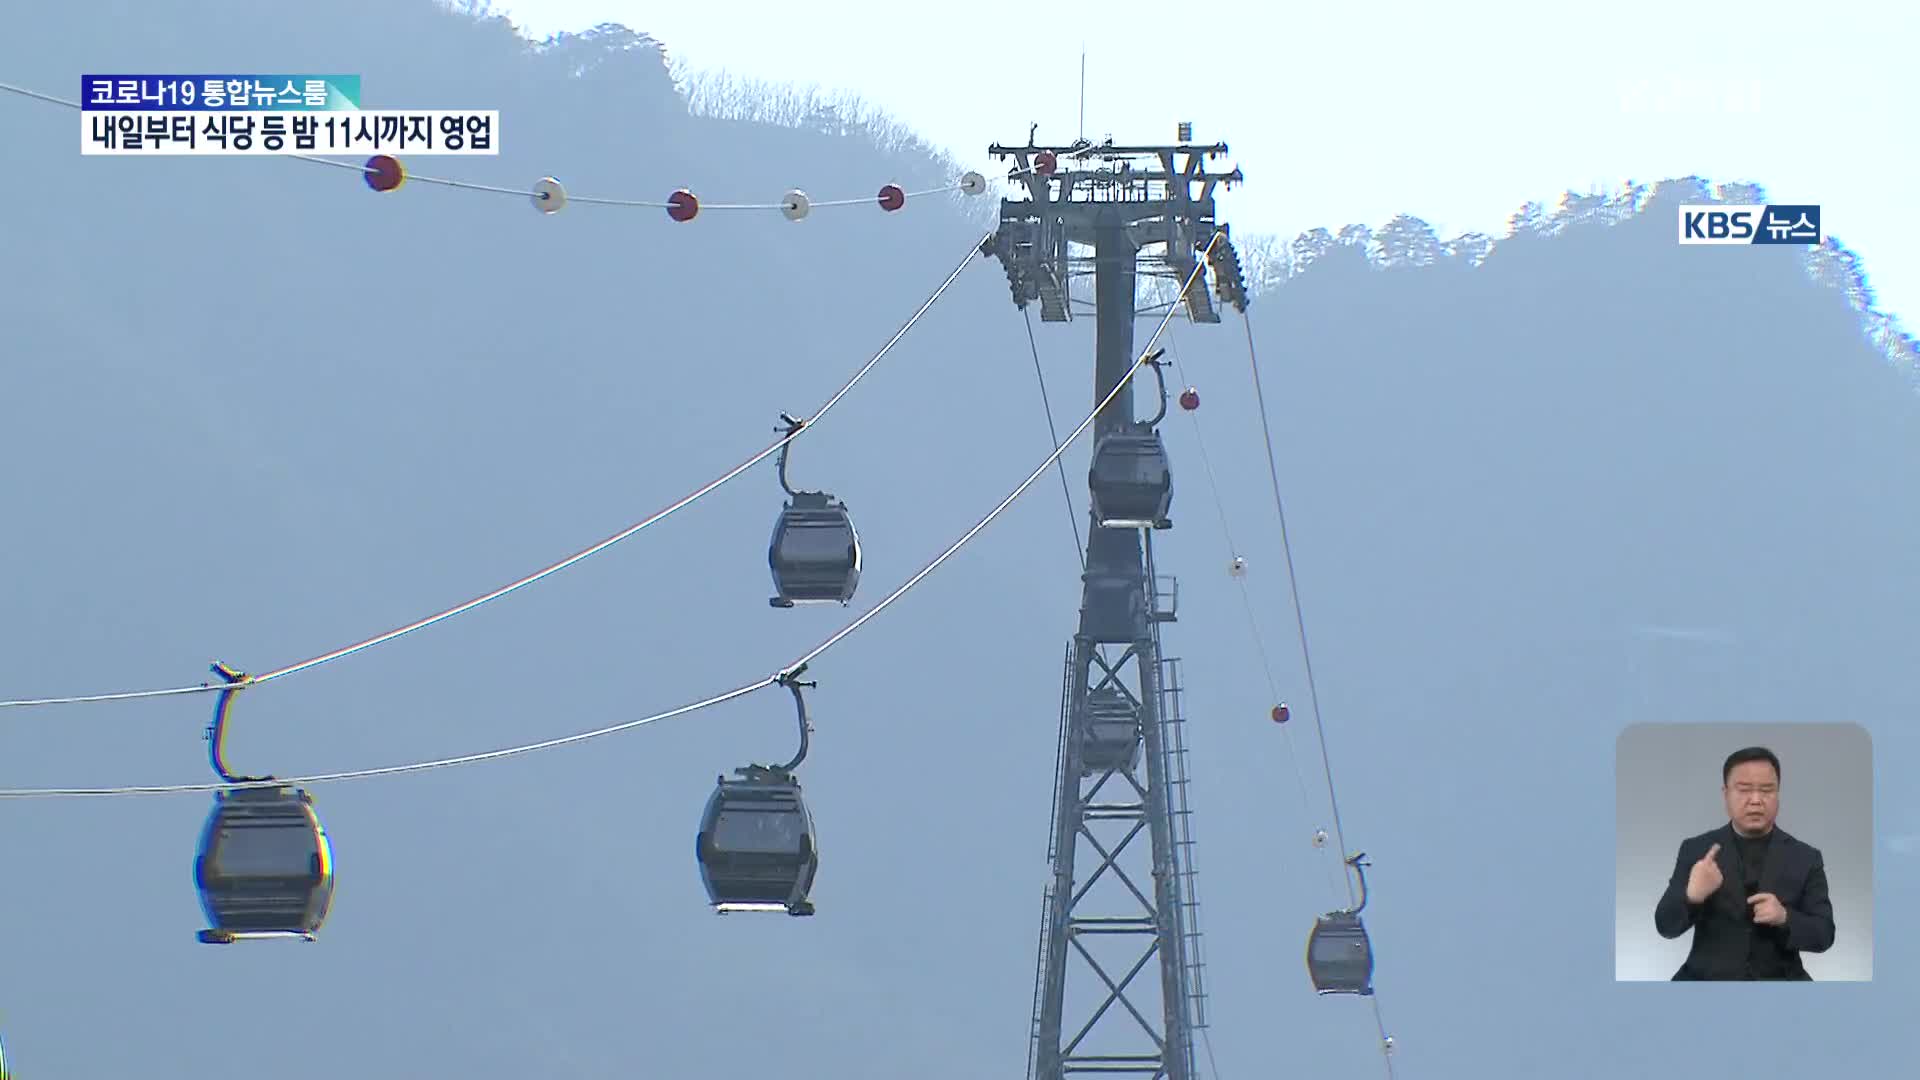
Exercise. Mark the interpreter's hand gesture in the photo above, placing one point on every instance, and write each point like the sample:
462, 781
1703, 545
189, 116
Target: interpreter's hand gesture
1704, 879
1767, 910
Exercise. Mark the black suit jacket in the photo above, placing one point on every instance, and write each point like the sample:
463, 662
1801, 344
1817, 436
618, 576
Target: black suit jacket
1723, 926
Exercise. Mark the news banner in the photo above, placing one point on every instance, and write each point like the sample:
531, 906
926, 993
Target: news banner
266, 114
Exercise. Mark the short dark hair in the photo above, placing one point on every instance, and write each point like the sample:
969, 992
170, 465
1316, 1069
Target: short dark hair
1751, 753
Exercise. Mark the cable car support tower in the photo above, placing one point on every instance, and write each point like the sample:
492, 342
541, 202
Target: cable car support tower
1116, 213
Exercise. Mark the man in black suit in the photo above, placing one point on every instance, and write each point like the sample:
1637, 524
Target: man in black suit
1754, 897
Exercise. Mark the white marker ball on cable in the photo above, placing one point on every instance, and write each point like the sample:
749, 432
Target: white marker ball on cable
796, 205
548, 196
973, 183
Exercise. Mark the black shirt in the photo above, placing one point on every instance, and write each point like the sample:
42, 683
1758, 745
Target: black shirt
1763, 957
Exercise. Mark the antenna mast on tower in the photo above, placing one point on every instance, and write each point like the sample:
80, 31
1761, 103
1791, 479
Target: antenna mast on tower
1083, 92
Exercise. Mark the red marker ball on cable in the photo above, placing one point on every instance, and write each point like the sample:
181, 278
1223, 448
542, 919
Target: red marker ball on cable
384, 173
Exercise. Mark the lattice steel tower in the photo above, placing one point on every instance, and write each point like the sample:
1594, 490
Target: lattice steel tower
1140, 210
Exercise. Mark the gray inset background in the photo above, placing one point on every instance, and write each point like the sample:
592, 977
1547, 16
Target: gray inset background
1667, 778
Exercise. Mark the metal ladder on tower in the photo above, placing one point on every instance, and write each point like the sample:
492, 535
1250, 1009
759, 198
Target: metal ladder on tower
1180, 815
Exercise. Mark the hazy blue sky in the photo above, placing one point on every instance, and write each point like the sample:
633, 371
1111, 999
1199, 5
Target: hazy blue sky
1496, 480
1432, 96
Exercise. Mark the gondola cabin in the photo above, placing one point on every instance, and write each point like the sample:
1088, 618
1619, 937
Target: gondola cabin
1113, 607
1340, 956
815, 552
1131, 482
265, 867
756, 844
1112, 739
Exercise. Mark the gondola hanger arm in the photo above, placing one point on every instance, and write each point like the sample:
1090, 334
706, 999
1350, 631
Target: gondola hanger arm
1358, 860
236, 681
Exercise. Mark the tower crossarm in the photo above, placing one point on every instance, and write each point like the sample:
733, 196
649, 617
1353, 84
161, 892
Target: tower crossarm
1066, 196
